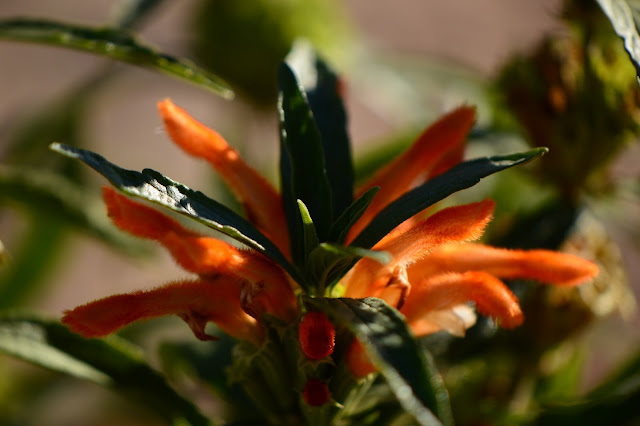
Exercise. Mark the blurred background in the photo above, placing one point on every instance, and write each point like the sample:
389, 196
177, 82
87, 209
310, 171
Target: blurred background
403, 63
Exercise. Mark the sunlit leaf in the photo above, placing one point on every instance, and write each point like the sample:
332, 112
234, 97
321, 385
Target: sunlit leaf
624, 15
407, 367
310, 236
153, 186
113, 43
114, 363
323, 90
302, 168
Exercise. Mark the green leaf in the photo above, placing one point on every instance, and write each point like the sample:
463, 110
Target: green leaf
153, 186
329, 262
129, 13
308, 229
65, 203
41, 246
407, 367
302, 167
321, 85
462, 176
623, 15
113, 43
114, 363
341, 226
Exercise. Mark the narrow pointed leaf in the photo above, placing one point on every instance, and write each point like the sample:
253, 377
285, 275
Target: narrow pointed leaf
65, 203
302, 165
329, 262
129, 13
341, 226
462, 176
113, 43
624, 15
406, 366
308, 229
153, 186
114, 363
322, 87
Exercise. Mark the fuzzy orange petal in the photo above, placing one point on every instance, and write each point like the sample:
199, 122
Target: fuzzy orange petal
438, 148
453, 224
459, 223
542, 265
259, 198
196, 302
265, 286
194, 252
491, 296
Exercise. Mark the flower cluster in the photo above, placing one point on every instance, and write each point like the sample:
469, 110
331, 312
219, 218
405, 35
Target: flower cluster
436, 267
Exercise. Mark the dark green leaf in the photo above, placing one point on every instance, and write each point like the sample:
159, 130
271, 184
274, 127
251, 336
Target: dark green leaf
302, 165
153, 186
341, 226
322, 87
114, 363
110, 42
329, 262
623, 15
462, 176
308, 229
406, 366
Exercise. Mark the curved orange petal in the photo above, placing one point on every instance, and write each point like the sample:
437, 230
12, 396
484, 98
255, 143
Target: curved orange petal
453, 224
259, 198
438, 148
196, 302
445, 291
459, 223
542, 265
265, 285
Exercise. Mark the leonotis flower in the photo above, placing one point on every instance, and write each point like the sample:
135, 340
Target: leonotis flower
434, 271
305, 246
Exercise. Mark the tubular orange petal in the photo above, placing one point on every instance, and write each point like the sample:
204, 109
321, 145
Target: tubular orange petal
267, 287
139, 219
459, 223
260, 199
541, 265
196, 302
445, 291
438, 148
195, 253
455, 320
453, 224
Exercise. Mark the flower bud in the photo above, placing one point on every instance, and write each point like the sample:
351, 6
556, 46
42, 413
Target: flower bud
316, 392
317, 335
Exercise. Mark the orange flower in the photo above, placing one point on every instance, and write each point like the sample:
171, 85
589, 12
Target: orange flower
435, 268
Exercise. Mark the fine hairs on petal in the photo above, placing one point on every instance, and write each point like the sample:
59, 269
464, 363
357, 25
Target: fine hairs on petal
490, 295
453, 224
545, 266
195, 301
